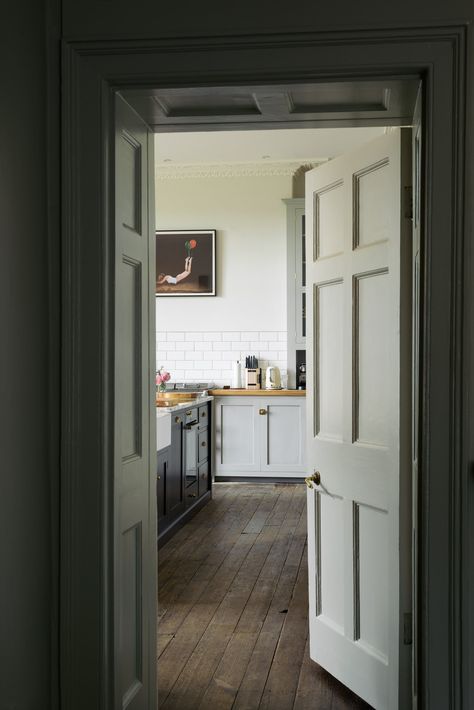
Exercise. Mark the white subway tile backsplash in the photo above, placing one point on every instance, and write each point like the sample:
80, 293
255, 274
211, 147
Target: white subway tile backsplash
193, 374
208, 355
231, 354
241, 346
269, 355
187, 347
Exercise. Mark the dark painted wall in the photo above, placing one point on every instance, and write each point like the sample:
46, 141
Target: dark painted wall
30, 279
147, 18
27, 596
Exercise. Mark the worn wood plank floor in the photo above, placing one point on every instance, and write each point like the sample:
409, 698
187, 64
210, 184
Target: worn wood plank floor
233, 608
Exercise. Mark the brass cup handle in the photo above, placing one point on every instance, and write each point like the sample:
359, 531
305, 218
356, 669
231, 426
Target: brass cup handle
262, 411
177, 420
314, 478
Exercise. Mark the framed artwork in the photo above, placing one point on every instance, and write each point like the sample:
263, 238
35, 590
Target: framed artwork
186, 262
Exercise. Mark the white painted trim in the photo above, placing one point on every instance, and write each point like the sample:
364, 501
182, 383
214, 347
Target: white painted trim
228, 170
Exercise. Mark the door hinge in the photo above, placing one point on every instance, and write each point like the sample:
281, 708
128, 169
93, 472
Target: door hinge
408, 628
408, 202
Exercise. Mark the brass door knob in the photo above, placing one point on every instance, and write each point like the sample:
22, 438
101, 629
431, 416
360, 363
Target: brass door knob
159, 478
262, 411
177, 420
203, 443
314, 478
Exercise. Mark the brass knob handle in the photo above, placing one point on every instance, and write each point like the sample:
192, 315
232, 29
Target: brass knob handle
262, 411
159, 478
203, 443
203, 414
314, 478
188, 413
177, 420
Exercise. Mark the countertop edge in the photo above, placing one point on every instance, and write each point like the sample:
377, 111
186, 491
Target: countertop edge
256, 393
184, 405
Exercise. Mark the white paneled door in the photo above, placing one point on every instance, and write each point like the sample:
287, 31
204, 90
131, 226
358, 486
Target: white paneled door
358, 415
135, 432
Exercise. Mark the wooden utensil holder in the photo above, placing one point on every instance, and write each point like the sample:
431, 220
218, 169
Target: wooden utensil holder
253, 378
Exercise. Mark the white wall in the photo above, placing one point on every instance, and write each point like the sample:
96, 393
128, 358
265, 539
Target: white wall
250, 306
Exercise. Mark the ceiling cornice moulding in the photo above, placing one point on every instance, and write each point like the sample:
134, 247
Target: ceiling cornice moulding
227, 170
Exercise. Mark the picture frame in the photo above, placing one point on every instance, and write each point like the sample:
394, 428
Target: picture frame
185, 262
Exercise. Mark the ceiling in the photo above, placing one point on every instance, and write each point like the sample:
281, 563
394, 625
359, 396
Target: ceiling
306, 145
327, 104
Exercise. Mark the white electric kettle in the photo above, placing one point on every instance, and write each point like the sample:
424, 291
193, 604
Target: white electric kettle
272, 378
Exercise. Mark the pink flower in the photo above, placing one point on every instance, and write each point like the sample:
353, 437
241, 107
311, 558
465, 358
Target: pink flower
159, 379
165, 376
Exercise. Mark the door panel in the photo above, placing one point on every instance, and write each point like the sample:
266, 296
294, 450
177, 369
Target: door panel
355, 338
135, 448
329, 322
237, 439
282, 441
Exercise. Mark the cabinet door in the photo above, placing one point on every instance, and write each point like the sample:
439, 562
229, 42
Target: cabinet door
237, 435
174, 486
282, 435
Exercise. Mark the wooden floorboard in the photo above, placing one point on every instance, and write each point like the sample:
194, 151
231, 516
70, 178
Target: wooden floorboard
233, 608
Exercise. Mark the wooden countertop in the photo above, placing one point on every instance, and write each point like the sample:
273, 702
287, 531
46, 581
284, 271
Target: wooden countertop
257, 393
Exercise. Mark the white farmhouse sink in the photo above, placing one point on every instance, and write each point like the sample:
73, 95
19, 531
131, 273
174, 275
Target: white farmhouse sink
163, 429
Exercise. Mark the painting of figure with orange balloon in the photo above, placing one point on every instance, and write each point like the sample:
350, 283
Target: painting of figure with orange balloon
186, 263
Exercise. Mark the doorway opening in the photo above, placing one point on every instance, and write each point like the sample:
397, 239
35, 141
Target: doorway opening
197, 337
103, 566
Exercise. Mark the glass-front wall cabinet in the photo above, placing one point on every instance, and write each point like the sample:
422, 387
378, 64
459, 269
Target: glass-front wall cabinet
296, 285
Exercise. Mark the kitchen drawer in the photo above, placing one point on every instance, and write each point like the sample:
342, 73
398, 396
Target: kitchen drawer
191, 494
191, 414
203, 447
203, 416
203, 478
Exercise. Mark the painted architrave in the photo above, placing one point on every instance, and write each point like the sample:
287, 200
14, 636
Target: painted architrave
92, 72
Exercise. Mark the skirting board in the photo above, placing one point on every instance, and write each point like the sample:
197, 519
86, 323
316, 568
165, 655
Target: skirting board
259, 479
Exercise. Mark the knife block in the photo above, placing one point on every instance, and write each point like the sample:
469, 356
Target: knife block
252, 378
